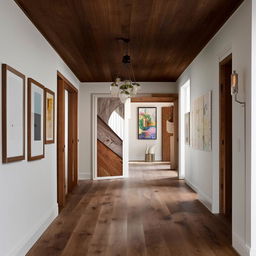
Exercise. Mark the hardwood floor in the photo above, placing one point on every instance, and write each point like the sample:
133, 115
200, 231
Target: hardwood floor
150, 214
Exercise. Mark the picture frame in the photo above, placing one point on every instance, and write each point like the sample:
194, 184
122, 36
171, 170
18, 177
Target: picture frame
49, 116
36, 120
147, 123
13, 115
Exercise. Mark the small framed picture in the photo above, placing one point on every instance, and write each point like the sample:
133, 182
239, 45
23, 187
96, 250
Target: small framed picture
147, 123
13, 115
49, 116
36, 120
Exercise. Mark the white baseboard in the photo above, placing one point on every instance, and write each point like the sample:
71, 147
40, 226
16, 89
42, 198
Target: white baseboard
240, 246
202, 197
34, 234
84, 176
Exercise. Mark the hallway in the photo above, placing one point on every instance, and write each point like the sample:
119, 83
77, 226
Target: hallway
151, 213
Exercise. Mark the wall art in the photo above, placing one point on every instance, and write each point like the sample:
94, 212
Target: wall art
36, 119
147, 123
49, 116
13, 115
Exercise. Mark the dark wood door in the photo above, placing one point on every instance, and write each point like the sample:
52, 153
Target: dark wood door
166, 136
175, 151
64, 85
226, 138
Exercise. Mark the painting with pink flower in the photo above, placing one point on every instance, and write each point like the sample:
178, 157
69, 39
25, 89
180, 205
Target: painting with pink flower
147, 123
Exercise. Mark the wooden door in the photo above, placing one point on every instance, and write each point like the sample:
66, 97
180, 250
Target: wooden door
226, 138
64, 84
174, 139
72, 141
166, 136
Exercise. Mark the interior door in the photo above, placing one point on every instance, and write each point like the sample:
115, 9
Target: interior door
66, 170
167, 135
226, 138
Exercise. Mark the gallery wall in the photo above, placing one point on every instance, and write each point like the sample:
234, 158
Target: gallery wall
28, 190
85, 116
137, 147
234, 37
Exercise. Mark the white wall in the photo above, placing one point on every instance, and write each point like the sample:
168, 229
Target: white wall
85, 117
137, 147
27, 189
251, 166
234, 37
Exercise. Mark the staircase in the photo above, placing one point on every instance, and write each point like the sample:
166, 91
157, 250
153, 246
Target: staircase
109, 144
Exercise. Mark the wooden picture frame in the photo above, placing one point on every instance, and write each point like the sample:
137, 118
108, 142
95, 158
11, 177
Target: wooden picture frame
142, 136
36, 120
13, 115
49, 116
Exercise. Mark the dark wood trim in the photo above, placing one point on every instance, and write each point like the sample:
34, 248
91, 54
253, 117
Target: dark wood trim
68, 85
6, 159
152, 99
46, 90
61, 144
225, 145
138, 122
174, 163
72, 141
166, 137
64, 84
38, 157
170, 95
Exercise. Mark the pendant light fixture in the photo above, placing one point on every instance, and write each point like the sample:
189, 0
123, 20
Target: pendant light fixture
128, 87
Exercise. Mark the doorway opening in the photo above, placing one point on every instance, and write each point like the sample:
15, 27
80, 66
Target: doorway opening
184, 126
109, 143
153, 134
67, 138
226, 139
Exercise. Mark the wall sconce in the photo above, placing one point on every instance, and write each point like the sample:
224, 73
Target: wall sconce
234, 83
234, 87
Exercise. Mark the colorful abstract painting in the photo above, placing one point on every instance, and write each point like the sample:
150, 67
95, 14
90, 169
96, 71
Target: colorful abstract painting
147, 121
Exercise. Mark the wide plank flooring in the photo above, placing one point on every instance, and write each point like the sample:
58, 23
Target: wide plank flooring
150, 214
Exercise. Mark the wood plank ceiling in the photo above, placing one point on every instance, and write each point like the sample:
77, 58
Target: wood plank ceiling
166, 35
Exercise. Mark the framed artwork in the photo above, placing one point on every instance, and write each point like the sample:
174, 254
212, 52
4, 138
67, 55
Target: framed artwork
187, 128
13, 115
207, 112
147, 123
201, 114
36, 120
49, 116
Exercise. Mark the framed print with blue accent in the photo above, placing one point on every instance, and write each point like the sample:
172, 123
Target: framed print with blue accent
36, 120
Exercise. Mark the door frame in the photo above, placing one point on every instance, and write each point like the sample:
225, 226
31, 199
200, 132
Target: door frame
170, 98
63, 84
94, 139
222, 191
